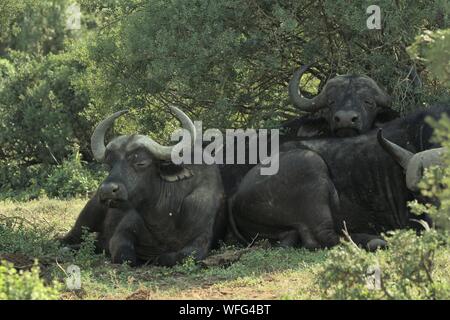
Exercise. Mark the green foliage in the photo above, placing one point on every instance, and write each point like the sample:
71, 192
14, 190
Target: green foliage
71, 178
436, 181
6, 70
40, 110
230, 60
85, 256
35, 27
25, 285
406, 270
433, 49
19, 235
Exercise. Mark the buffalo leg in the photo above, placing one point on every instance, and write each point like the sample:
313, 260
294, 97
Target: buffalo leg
201, 213
368, 241
289, 239
317, 230
122, 243
198, 249
109, 227
91, 217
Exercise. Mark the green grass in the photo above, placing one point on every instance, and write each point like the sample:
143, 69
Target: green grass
28, 229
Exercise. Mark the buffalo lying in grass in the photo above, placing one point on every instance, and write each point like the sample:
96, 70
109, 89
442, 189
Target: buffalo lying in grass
325, 182
349, 105
149, 209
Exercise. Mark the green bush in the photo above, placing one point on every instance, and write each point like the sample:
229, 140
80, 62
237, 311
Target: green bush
36, 27
406, 270
230, 60
40, 110
21, 182
71, 178
25, 285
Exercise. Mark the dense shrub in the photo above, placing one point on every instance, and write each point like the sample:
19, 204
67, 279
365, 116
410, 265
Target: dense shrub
40, 110
35, 27
24, 285
73, 177
406, 270
230, 60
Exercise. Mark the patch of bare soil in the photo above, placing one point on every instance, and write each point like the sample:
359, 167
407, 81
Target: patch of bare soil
209, 291
140, 294
216, 293
223, 259
230, 256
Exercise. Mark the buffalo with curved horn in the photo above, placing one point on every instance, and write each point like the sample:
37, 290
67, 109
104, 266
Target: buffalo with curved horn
351, 105
148, 208
364, 181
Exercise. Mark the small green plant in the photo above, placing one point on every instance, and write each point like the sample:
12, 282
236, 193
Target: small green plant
86, 256
405, 271
189, 265
18, 234
25, 285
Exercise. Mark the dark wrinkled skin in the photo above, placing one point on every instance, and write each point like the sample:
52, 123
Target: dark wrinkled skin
347, 97
148, 219
316, 126
322, 183
352, 107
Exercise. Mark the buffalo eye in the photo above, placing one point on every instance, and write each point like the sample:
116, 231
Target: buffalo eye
141, 164
107, 162
331, 102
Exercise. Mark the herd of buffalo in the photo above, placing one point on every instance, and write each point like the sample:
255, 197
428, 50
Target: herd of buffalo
354, 167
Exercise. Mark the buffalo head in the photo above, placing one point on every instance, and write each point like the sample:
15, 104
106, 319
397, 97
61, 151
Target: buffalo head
353, 102
133, 161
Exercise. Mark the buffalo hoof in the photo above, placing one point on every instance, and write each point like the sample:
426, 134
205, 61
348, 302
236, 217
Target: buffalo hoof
376, 244
168, 259
65, 240
66, 249
130, 260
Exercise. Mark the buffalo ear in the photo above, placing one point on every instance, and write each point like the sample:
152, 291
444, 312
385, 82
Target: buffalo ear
171, 172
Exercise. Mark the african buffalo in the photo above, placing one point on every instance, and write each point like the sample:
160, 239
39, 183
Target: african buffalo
149, 209
350, 105
323, 183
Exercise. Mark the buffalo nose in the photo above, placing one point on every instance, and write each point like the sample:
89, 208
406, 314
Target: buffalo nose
114, 188
346, 118
109, 190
